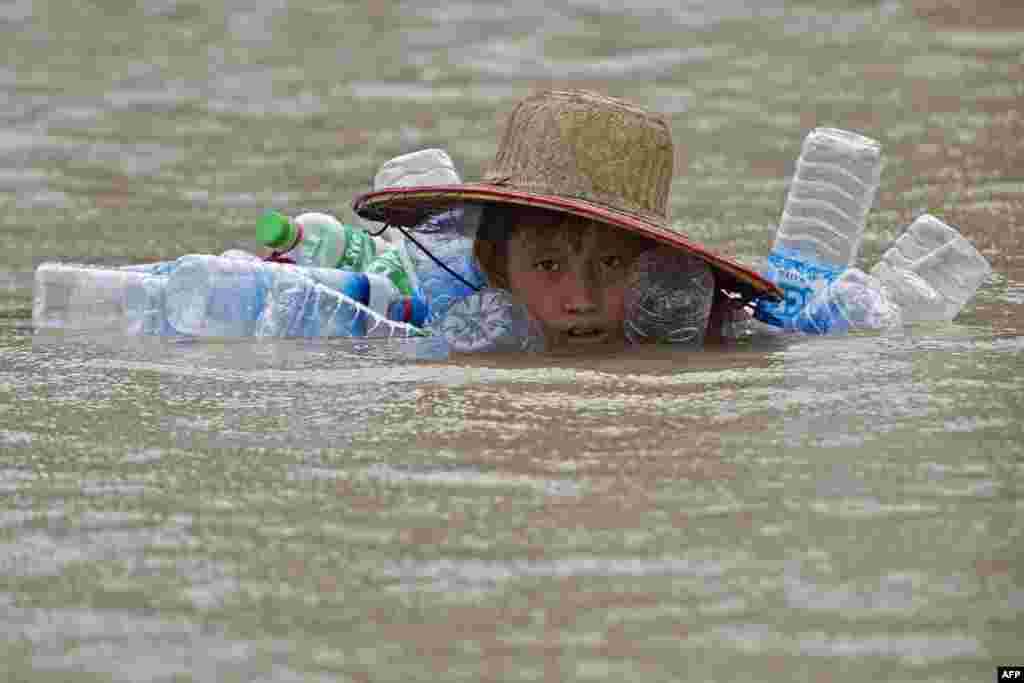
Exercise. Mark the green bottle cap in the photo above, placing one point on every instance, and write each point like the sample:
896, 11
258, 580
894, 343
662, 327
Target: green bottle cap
274, 229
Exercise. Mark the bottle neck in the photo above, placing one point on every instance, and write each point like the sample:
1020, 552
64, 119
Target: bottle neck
299, 233
281, 255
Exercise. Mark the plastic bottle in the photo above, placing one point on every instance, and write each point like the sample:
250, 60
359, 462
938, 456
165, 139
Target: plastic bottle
490, 320
154, 268
415, 169
316, 240
928, 275
669, 298
819, 235
446, 235
146, 307
213, 296
853, 301
241, 254
411, 310
440, 236
81, 297
931, 271
390, 264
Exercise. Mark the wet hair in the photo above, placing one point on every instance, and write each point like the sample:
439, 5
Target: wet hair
490, 248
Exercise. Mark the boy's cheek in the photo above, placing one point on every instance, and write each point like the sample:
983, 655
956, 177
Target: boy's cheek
615, 305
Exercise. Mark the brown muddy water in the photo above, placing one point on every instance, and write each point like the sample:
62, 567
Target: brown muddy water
837, 509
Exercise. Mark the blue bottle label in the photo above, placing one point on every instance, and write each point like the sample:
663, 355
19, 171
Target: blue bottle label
798, 281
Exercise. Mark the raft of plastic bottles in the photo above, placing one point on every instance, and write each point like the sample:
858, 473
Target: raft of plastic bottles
325, 279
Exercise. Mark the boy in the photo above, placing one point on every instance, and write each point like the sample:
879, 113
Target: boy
578, 189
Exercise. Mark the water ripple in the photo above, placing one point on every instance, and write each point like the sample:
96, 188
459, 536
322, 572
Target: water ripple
457, 575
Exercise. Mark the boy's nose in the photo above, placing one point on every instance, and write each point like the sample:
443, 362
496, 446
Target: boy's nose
579, 297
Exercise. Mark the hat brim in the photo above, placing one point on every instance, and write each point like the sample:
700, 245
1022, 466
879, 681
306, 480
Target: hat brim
410, 206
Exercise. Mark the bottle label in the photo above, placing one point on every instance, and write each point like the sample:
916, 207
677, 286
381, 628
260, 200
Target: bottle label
798, 281
389, 264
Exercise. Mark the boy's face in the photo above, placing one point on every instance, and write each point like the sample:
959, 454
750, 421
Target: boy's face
572, 275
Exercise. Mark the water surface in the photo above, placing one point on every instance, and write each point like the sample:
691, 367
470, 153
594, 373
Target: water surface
839, 509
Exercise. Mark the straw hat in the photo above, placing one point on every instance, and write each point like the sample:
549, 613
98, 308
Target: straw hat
581, 153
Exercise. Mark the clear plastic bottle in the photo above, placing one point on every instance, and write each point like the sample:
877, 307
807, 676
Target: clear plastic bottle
440, 236
443, 235
212, 296
669, 298
389, 264
853, 301
415, 169
931, 271
316, 240
490, 320
927, 275
819, 235
82, 297
146, 307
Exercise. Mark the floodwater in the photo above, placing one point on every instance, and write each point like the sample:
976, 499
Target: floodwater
833, 509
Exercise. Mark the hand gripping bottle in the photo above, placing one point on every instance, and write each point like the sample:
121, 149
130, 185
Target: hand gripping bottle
315, 240
669, 298
823, 220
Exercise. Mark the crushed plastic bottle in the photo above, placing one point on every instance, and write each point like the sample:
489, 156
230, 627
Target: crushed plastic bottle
931, 271
819, 235
440, 237
448, 235
853, 301
669, 298
490, 320
928, 275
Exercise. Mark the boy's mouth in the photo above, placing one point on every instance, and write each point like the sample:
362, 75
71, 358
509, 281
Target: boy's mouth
582, 333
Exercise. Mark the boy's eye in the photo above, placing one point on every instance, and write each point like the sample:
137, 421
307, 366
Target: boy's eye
547, 265
612, 261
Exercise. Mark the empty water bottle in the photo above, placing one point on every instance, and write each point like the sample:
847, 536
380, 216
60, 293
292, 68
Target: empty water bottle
81, 297
443, 263
447, 236
415, 169
669, 298
213, 296
931, 271
153, 268
490, 320
823, 220
853, 301
315, 240
146, 307
411, 310
389, 264
241, 254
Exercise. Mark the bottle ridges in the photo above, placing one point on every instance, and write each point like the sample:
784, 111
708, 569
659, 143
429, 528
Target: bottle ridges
825, 210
